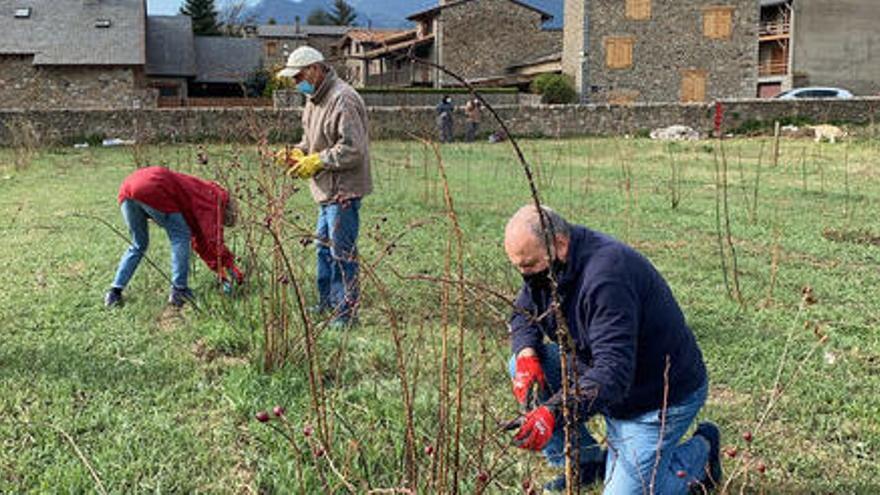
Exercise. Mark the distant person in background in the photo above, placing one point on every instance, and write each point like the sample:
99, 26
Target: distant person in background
444, 119
473, 110
192, 211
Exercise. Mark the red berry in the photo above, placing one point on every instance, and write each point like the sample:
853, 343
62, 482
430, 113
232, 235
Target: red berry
307, 430
761, 467
262, 416
730, 452
319, 452
483, 477
747, 436
429, 450
278, 410
680, 473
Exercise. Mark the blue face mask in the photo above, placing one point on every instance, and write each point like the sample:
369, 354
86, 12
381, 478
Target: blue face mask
305, 87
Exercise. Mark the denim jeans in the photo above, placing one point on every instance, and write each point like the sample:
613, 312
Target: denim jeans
633, 443
135, 214
336, 234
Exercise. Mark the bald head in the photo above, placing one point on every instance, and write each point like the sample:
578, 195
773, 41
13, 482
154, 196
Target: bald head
524, 238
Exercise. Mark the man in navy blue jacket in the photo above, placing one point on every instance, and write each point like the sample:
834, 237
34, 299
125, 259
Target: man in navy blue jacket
635, 361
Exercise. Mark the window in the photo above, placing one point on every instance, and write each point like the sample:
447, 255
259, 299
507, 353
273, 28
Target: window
638, 10
102, 23
718, 22
271, 48
619, 52
23, 13
693, 85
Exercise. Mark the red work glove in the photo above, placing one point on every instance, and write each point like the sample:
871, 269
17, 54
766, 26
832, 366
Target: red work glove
528, 371
536, 429
239, 277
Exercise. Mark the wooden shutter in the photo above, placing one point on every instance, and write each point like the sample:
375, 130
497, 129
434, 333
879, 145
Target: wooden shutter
619, 52
638, 10
693, 85
718, 22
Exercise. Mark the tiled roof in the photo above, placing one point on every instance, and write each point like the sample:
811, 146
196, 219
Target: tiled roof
75, 32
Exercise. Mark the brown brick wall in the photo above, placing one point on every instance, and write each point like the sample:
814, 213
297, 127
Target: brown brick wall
22, 85
483, 37
668, 45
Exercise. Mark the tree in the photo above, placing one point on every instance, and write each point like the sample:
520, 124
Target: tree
272, 21
343, 14
204, 16
319, 17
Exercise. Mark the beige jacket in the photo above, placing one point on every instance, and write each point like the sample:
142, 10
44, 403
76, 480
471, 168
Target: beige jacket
335, 126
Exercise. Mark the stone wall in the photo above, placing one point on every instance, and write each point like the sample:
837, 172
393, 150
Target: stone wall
483, 37
292, 99
23, 85
670, 41
251, 125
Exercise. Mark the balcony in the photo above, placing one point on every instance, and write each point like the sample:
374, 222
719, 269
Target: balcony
405, 76
774, 30
772, 68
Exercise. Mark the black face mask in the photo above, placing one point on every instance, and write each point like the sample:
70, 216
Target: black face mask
540, 281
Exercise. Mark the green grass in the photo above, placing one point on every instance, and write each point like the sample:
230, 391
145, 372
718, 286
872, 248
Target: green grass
163, 403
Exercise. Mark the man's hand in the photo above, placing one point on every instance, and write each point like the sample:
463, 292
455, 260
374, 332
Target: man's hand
528, 371
536, 430
307, 166
287, 157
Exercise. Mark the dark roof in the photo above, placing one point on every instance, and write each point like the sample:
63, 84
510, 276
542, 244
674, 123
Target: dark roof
294, 31
170, 46
65, 32
221, 59
545, 16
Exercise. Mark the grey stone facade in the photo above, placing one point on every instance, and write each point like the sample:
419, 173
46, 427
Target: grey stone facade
836, 44
24, 85
482, 38
250, 125
665, 47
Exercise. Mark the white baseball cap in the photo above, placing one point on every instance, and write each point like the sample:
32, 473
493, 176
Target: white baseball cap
301, 58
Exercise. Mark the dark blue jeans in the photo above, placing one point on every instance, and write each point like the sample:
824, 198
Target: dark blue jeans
336, 239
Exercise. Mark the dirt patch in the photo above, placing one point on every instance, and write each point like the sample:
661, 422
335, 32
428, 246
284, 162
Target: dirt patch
207, 354
169, 319
852, 236
724, 396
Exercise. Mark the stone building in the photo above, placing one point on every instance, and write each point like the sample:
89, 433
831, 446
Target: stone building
836, 44
73, 54
355, 45
483, 40
279, 40
622, 51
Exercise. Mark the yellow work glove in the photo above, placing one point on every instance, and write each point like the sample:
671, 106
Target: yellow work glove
287, 157
306, 167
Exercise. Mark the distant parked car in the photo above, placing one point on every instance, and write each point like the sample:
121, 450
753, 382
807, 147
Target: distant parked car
814, 92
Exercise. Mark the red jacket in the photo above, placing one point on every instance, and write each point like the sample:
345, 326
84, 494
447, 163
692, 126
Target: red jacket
201, 203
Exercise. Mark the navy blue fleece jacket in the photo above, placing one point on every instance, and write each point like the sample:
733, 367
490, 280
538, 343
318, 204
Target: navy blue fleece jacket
624, 322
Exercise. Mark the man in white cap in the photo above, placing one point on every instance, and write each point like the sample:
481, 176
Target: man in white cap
334, 155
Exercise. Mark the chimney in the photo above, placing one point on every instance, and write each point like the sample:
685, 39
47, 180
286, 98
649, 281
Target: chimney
296, 23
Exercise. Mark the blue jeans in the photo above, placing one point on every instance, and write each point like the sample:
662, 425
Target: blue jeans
336, 239
633, 443
135, 214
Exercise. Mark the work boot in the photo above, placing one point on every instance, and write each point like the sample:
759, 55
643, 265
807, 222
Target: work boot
178, 297
589, 473
709, 431
113, 298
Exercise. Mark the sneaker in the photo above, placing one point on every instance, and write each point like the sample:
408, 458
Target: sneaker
113, 297
709, 431
590, 472
178, 297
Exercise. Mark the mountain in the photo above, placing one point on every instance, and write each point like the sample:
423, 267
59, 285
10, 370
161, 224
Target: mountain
377, 13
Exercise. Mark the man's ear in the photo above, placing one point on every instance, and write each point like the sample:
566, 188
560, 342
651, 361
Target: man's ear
560, 245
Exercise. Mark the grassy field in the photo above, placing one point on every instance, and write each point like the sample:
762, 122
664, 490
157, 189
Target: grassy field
148, 400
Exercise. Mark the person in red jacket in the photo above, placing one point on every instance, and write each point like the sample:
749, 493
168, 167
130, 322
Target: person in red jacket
192, 211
